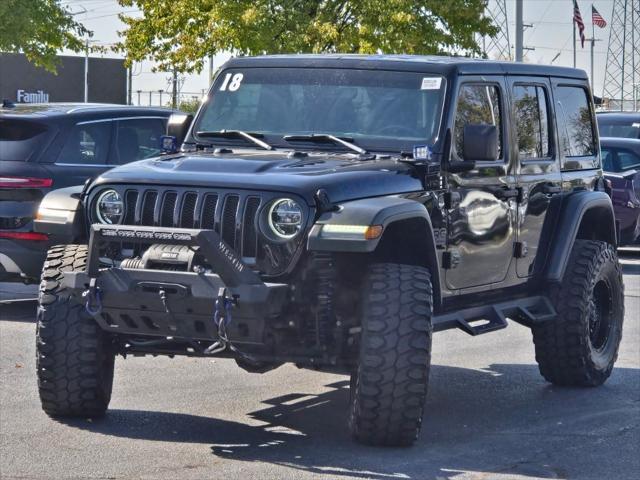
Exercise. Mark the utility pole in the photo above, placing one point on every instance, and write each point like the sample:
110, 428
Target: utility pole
174, 89
519, 31
210, 69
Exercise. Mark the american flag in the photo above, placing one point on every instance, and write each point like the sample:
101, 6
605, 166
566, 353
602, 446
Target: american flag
578, 19
596, 18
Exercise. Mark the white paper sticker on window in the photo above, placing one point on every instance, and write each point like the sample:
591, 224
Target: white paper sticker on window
431, 83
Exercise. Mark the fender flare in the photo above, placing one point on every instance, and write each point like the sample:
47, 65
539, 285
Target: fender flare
382, 211
61, 215
598, 209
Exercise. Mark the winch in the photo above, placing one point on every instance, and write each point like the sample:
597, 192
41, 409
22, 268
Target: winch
160, 256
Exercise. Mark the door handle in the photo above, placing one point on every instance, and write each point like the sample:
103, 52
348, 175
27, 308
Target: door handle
506, 193
551, 189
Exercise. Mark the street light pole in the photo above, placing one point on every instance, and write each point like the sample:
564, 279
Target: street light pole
86, 70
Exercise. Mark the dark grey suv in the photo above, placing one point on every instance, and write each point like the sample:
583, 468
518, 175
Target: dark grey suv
50, 146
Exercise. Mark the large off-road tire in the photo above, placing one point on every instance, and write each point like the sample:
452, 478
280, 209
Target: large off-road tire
389, 386
74, 357
580, 346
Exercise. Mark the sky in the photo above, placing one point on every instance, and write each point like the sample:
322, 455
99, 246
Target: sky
550, 33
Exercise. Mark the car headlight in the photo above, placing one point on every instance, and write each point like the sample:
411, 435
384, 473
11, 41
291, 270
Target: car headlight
109, 207
284, 218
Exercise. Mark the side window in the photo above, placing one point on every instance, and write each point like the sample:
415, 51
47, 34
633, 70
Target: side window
575, 123
138, 138
532, 121
477, 104
87, 144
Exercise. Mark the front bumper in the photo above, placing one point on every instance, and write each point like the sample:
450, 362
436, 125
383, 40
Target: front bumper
130, 301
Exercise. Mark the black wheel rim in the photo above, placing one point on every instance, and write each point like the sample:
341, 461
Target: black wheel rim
600, 313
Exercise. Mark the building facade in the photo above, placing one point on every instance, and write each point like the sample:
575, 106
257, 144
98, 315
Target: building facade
22, 82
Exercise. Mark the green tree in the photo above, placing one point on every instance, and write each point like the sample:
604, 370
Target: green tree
181, 33
39, 29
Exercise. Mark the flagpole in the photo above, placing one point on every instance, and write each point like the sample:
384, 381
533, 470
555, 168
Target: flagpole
593, 43
573, 21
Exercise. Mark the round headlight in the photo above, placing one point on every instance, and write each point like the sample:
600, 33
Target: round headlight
285, 218
109, 207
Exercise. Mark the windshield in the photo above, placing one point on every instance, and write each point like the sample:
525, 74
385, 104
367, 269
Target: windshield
378, 110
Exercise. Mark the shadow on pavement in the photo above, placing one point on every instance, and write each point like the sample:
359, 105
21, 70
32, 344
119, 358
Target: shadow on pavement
19, 311
503, 420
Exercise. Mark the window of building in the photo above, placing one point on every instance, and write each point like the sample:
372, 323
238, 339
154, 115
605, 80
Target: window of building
478, 104
532, 121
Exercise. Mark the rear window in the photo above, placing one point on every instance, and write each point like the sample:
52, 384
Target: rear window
620, 130
20, 140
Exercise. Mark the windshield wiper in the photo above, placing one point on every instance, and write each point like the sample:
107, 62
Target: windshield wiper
236, 134
323, 137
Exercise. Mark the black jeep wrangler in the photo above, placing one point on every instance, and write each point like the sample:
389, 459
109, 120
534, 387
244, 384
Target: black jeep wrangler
334, 212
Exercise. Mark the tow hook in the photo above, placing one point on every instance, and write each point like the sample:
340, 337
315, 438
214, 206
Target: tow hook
222, 318
93, 296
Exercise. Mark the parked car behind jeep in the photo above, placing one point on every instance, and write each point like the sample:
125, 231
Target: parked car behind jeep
619, 124
621, 165
50, 146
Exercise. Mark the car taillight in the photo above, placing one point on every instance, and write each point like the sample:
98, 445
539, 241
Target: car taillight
33, 236
25, 182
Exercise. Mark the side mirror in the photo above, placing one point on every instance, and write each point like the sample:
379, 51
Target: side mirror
480, 142
178, 126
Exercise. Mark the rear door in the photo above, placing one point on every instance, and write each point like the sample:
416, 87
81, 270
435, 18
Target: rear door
539, 178
85, 153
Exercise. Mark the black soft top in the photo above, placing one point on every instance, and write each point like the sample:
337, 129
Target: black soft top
415, 63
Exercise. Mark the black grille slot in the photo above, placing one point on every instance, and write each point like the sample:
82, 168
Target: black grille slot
168, 206
229, 219
188, 210
208, 217
249, 234
148, 207
130, 207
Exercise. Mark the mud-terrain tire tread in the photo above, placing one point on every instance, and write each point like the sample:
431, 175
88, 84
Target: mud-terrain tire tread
389, 387
74, 358
562, 345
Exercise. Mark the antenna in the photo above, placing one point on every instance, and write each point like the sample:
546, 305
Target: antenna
621, 89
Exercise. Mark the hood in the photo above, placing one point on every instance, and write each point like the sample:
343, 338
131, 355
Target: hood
343, 176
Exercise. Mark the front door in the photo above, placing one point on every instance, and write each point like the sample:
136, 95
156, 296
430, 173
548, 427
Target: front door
482, 207
539, 167
84, 155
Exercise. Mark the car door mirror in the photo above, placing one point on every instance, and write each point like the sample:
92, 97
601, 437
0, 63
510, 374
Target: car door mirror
480, 142
178, 126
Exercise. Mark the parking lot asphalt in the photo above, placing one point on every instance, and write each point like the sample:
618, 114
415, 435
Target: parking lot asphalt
489, 415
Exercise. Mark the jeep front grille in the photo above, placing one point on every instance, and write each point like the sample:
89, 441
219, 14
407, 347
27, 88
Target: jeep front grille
232, 215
